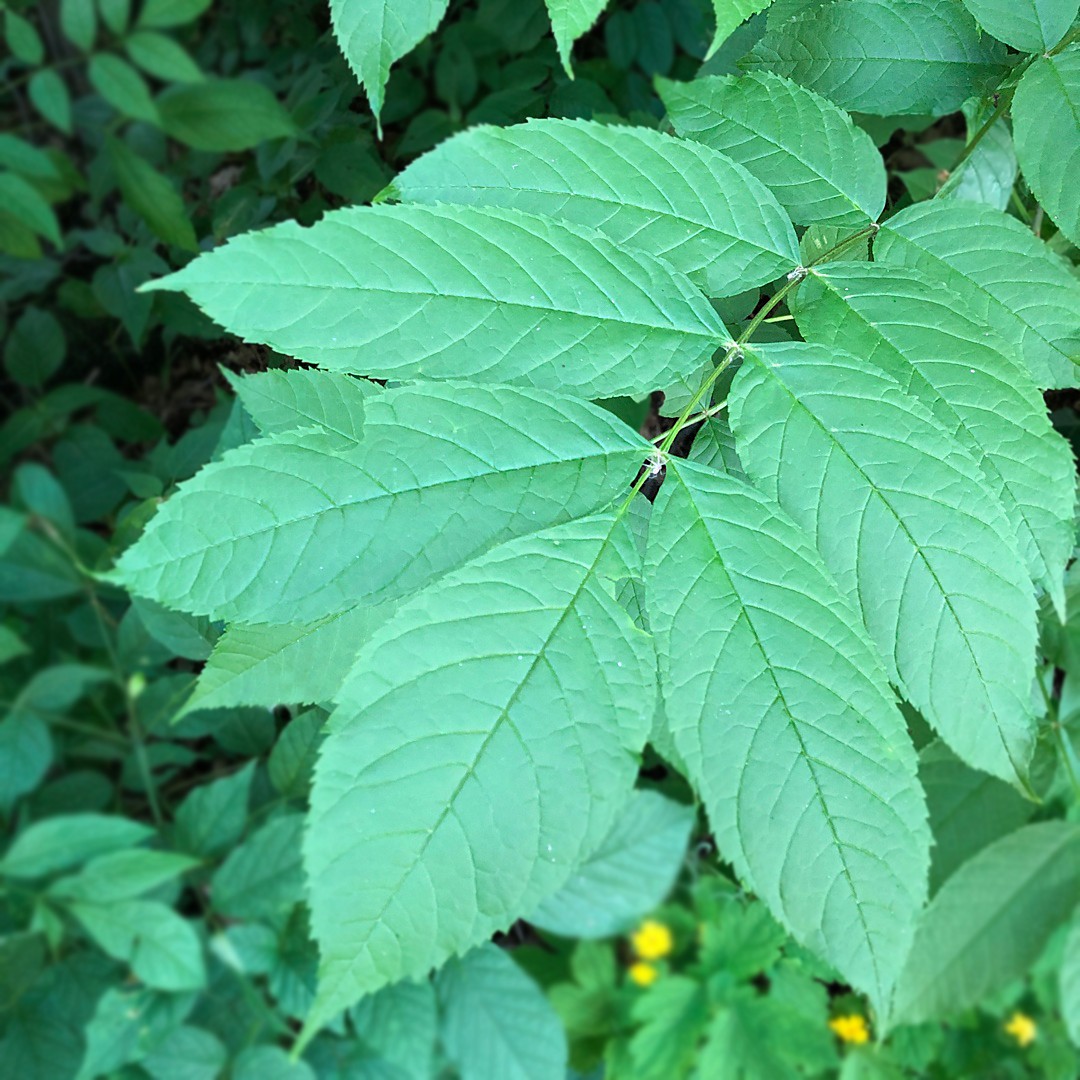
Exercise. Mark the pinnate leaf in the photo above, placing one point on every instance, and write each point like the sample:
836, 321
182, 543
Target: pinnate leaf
395, 292
701, 212
904, 520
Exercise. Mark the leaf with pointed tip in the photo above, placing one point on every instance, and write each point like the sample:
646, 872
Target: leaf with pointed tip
904, 520
807, 151
289, 400
975, 251
990, 921
731, 14
482, 748
885, 57
1046, 123
714, 447
970, 379
783, 715
569, 20
459, 292
304, 524
701, 212
1027, 25
373, 34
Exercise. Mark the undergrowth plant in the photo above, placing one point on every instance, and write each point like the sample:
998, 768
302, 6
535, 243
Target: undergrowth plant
832, 592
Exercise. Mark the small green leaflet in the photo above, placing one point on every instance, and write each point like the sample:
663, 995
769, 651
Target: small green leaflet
697, 209
885, 57
975, 250
395, 292
306, 523
569, 20
819, 165
784, 717
1027, 25
990, 921
730, 14
373, 34
433, 827
400, 1024
897, 508
977, 388
1046, 125
289, 400
496, 1022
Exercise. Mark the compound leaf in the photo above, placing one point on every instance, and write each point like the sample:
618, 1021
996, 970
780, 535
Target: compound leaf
1027, 25
701, 212
819, 165
885, 57
905, 522
395, 292
433, 827
783, 715
305, 524
974, 384
975, 251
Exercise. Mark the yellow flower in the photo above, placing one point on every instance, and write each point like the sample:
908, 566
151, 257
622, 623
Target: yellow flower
643, 974
850, 1029
1022, 1028
652, 940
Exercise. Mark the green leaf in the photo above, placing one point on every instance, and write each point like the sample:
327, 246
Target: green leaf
262, 876
374, 34
292, 760
1028, 25
269, 1063
126, 1023
122, 87
897, 509
66, 841
885, 57
115, 14
990, 921
496, 1021
989, 173
819, 165
1069, 982
151, 195
673, 1016
714, 447
211, 819
968, 810
1046, 126
975, 252
288, 400
628, 875
223, 115
162, 57
78, 20
23, 39
48, 94
702, 213
121, 875
730, 14
975, 385
569, 20
783, 715
24, 200
166, 14
35, 348
432, 828
395, 292
400, 1024
186, 1053
443, 472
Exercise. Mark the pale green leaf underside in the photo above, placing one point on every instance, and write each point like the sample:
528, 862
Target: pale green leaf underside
819, 165
569, 20
1046, 125
990, 921
1027, 25
305, 524
701, 212
482, 747
627, 876
373, 34
975, 251
885, 57
497, 1022
905, 522
975, 385
397, 292
784, 717
989, 173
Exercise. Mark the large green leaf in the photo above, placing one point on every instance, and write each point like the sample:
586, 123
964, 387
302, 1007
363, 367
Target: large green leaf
991, 920
783, 715
305, 524
482, 747
886, 57
905, 522
703, 213
975, 251
373, 34
818, 164
459, 292
569, 20
1027, 25
975, 385
1046, 126
497, 1022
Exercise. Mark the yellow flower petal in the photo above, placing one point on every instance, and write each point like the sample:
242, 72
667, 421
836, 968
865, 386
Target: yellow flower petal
652, 940
643, 974
850, 1029
1022, 1028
